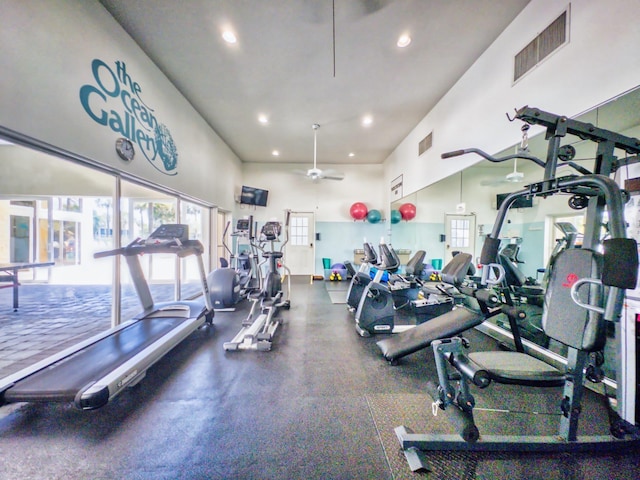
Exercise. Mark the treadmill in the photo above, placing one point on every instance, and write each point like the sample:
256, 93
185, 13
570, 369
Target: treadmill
91, 373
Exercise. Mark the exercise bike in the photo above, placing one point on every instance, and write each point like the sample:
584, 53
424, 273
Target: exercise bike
361, 279
260, 325
376, 309
232, 282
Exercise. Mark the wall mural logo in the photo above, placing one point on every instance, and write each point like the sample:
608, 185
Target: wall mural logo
114, 101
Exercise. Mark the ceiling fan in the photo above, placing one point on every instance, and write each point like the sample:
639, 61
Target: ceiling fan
515, 176
512, 177
315, 173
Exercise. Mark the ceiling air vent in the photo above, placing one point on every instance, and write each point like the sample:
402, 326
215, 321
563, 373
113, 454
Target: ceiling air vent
551, 38
425, 144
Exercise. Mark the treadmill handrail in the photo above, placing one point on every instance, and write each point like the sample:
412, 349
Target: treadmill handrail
138, 247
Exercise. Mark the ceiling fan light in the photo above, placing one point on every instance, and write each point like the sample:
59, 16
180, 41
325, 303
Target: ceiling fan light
515, 177
229, 37
403, 41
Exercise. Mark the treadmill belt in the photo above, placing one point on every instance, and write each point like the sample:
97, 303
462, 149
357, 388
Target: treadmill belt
62, 380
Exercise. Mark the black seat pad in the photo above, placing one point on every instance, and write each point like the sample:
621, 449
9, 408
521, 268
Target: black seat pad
447, 325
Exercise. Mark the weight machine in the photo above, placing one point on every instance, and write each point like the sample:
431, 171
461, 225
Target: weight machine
586, 289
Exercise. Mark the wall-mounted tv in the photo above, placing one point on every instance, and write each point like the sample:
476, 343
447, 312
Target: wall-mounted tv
254, 196
521, 202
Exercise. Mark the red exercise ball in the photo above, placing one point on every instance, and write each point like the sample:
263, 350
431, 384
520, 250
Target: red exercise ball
358, 211
408, 211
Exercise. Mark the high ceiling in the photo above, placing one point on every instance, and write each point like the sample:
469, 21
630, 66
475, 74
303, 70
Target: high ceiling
282, 66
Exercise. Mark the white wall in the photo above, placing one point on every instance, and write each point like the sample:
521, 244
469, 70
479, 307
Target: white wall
329, 199
48, 47
598, 63
47, 51
32, 174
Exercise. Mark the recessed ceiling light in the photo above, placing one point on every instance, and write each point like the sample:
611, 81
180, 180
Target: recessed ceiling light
404, 40
352, 154
275, 153
367, 120
229, 37
263, 119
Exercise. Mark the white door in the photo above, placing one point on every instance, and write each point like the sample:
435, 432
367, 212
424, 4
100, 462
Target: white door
300, 253
461, 237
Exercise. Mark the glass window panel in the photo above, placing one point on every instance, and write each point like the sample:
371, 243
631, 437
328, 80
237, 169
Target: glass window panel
197, 217
56, 220
143, 210
459, 233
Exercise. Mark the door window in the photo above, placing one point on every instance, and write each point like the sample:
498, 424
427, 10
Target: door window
299, 231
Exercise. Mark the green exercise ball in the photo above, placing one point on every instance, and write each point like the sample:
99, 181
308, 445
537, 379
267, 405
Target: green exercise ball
396, 216
374, 216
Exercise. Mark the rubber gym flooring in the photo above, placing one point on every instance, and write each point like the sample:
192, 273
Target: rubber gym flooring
321, 405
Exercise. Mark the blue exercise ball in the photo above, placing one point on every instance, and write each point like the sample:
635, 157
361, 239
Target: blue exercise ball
396, 216
374, 216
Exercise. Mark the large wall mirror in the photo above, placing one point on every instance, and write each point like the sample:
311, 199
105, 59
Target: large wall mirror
456, 213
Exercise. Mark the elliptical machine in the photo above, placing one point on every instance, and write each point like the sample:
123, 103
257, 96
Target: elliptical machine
258, 329
232, 282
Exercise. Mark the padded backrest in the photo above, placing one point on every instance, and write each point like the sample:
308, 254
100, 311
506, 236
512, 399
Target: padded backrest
489, 250
416, 263
563, 319
512, 274
389, 259
349, 267
620, 268
510, 251
370, 255
454, 272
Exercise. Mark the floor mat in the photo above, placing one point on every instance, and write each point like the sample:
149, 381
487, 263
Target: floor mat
414, 412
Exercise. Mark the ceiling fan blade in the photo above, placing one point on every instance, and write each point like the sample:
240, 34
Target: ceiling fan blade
331, 174
492, 183
300, 172
337, 176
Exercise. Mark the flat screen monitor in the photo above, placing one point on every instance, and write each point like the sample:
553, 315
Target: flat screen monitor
522, 202
254, 196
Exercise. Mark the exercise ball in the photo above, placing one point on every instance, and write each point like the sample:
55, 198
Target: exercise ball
374, 216
396, 216
408, 211
358, 211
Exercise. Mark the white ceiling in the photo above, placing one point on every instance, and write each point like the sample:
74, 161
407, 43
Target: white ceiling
283, 66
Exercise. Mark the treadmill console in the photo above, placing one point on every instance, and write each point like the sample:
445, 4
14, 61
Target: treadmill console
242, 225
169, 233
